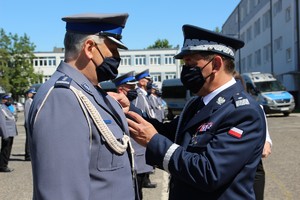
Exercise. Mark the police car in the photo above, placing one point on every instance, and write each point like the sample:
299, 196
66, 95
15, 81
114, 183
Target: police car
269, 92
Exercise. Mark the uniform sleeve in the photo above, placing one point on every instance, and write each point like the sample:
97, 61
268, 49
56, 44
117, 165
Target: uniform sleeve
60, 148
216, 158
3, 132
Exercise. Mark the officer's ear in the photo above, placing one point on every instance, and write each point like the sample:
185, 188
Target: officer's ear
89, 47
217, 62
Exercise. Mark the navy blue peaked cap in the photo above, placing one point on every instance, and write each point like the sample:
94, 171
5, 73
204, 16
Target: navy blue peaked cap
109, 25
197, 39
143, 74
127, 78
31, 90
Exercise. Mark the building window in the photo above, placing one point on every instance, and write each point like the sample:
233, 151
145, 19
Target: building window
169, 59
125, 61
257, 27
266, 20
288, 55
243, 36
277, 7
257, 2
170, 75
278, 44
140, 60
267, 53
154, 59
44, 61
288, 14
249, 61
156, 77
244, 64
249, 34
257, 57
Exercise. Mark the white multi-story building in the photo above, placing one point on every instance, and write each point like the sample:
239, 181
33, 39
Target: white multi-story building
160, 62
270, 30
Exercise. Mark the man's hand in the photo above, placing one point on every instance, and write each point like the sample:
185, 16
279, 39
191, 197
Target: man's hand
141, 130
122, 99
267, 150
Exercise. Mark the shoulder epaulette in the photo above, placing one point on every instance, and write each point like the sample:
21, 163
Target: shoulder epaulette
240, 99
63, 82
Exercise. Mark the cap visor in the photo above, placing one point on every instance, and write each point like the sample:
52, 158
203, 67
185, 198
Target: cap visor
131, 83
184, 53
118, 42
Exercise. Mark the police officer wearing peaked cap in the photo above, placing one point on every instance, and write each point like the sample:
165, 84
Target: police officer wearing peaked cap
29, 98
144, 85
126, 84
212, 150
66, 131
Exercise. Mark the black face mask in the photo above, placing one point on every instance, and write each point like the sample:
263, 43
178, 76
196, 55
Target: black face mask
108, 69
149, 85
192, 77
132, 94
158, 93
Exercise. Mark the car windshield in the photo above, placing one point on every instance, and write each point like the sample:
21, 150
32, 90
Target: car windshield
269, 86
174, 92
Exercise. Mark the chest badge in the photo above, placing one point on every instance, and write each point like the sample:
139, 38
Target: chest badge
220, 100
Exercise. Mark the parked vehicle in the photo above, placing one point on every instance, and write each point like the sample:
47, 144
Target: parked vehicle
269, 92
176, 96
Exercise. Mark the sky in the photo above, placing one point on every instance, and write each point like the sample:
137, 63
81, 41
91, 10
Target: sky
149, 20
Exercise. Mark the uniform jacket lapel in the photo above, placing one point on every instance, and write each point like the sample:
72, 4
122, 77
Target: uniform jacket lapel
208, 110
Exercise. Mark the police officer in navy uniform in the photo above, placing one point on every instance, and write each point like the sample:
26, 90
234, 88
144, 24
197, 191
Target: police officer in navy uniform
8, 132
212, 150
127, 84
156, 103
144, 85
79, 135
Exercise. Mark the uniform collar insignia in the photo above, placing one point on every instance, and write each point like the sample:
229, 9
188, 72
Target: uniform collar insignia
220, 100
86, 87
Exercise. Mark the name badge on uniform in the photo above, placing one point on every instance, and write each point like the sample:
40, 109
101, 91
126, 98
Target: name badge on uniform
107, 121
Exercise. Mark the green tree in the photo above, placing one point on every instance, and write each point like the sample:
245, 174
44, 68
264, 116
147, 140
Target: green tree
160, 44
16, 63
217, 29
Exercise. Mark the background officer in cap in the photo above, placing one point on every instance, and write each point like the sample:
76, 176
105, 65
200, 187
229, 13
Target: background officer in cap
213, 149
156, 102
9, 131
126, 84
144, 84
29, 98
79, 135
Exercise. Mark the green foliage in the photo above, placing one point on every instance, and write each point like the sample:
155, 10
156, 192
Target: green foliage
217, 30
16, 63
160, 44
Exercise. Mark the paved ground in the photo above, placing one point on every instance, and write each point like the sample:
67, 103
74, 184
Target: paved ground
282, 167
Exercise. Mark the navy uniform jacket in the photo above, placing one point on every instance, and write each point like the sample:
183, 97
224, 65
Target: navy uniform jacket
220, 148
10, 122
64, 165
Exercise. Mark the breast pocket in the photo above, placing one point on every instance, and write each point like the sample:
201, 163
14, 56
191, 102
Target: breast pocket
107, 159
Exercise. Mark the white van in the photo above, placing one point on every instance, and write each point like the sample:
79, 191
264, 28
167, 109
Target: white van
176, 96
269, 92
